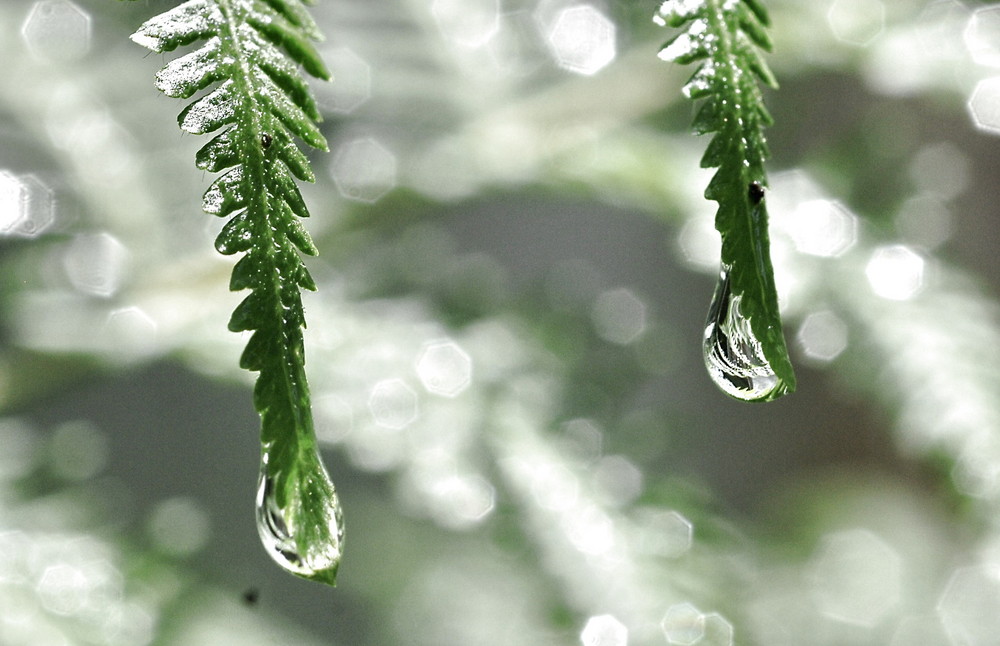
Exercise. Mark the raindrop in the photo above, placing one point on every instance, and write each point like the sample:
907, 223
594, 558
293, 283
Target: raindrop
733, 355
299, 517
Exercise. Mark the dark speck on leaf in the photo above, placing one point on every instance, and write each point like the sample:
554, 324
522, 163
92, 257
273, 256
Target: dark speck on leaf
265, 141
251, 596
756, 192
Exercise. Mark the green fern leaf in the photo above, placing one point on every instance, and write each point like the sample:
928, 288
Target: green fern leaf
744, 345
249, 56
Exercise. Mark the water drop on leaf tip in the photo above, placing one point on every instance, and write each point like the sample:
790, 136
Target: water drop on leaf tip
733, 355
305, 535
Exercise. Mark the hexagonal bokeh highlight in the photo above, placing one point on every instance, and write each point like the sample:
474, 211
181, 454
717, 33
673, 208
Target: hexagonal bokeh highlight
942, 169
352, 81
11, 198
96, 263
895, 272
590, 530
57, 30
393, 404
133, 331
718, 631
925, 220
64, 588
700, 244
619, 316
984, 105
683, 624
178, 526
461, 502
334, 418
617, 479
582, 39
555, 488
982, 36
78, 451
604, 630
968, 607
822, 228
919, 629
822, 336
664, 533
470, 23
363, 170
444, 368
856, 22
856, 577
27, 205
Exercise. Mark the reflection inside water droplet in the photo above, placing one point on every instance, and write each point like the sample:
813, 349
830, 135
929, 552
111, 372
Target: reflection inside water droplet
302, 530
733, 355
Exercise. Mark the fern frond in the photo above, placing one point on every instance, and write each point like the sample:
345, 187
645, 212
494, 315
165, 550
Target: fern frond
725, 38
249, 55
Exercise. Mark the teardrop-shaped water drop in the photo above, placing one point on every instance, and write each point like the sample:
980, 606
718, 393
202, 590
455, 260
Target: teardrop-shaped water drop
733, 355
299, 519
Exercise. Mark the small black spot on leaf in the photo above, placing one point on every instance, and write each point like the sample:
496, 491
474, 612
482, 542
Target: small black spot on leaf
251, 596
265, 141
755, 192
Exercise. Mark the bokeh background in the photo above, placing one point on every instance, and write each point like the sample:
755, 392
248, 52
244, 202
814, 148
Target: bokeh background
505, 348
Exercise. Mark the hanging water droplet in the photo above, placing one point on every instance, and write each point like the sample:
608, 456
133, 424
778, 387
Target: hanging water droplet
733, 355
299, 518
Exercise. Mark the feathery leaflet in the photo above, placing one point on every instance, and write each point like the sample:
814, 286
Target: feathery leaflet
249, 58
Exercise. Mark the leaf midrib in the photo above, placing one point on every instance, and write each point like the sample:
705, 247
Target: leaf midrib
739, 124
255, 182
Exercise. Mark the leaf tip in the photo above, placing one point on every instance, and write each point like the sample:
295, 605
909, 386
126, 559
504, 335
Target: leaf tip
144, 39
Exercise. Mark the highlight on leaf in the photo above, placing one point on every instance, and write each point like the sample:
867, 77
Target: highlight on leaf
744, 347
255, 97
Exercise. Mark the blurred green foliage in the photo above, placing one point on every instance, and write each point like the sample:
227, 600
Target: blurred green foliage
515, 264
